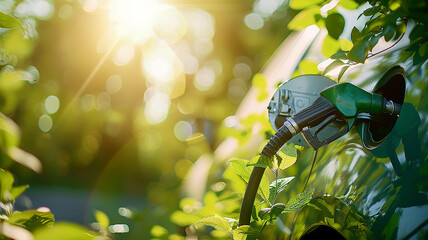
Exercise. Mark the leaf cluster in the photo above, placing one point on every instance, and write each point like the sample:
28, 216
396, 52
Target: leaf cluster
386, 19
266, 210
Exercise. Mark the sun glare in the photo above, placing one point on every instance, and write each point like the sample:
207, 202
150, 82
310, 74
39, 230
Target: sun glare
135, 18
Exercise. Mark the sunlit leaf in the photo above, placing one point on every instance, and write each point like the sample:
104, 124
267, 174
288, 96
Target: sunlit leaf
348, 4
286, 156
332, 66
299, 4
32, 219
298, 201
64, 231
261, 161
240, 168
25, 159
183, 219
10, 231
16, 191
304, 19
7, 21
308, 67
342, 71
102, 219
158, 231
345, 45
216, 222
260, 83
9, 132
335, 24
245, 232
330, 46
277, 186
6, 182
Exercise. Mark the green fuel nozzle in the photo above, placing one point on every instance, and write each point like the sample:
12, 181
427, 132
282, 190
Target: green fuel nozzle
341, 105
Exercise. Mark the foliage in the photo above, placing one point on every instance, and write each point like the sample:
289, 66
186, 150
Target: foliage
386, 20
267, 209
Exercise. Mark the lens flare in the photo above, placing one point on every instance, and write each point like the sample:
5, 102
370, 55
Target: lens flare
135, 18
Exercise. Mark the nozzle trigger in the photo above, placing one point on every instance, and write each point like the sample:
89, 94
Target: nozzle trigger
313, 137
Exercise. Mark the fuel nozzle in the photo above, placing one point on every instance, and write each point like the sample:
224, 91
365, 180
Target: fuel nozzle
331, 115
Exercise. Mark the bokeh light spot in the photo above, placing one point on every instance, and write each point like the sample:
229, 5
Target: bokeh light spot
45, 123
204, 79
254, 21
191, 64
242, 70
156, 109
65, 12
37, 8
124, 55
52, 104
183, 130
114, 84
159, 67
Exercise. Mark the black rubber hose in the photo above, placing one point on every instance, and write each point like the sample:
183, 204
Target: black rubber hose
271, 148
313, 115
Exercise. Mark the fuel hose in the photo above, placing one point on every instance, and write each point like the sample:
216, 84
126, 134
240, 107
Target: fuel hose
310, 116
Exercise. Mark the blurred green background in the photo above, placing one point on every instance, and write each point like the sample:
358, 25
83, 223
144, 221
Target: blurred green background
119, 87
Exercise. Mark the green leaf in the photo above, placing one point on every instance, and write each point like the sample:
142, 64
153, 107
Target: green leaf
260, 161
6, 182
339, 55
333, 65
308, 67
245, 232
32, 219
158, 231
299, 4
7, 21
345, 44
271, 213
330, 46
102, 219
183, 219
371, 11
304, 18
348, 4
286, 156
355, 35
260, 83
16, 191
277, 186
217, 222
276, 210
373, 41
388, 31
400, 29
26, 159
240, 168
335, 24
359, 52
342, 71
299, 201
423, 49
64, 231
